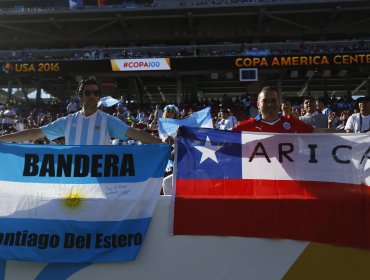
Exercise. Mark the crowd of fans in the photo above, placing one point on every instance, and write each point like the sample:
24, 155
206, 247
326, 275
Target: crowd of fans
226, 113
227, 49
35, 6
18, 116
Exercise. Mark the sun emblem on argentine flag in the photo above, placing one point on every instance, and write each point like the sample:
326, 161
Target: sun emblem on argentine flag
73, 202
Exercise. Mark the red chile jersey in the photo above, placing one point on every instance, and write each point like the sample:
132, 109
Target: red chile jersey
284, 124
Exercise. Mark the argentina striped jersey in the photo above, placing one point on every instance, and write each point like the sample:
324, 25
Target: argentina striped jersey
78, 129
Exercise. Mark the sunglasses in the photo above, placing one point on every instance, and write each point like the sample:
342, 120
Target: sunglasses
89, 92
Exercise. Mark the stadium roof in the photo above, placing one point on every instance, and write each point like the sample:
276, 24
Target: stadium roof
251, 23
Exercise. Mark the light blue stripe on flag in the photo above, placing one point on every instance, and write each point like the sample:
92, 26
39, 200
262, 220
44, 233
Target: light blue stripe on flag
71, 241
88, 164
97, 208
168, 127
76, 4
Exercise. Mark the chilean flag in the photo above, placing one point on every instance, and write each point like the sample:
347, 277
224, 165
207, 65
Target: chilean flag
310, 187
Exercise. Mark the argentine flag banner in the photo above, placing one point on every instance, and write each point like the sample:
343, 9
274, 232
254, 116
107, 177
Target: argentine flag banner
77, 204
168, 127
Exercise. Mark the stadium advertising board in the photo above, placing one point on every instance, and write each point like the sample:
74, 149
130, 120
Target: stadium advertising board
184, 63
55, 67
146, 64
303, 60
26, 3
271, 61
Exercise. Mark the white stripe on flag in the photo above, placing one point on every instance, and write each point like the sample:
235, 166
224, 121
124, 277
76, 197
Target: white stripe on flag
90, 202
311, 154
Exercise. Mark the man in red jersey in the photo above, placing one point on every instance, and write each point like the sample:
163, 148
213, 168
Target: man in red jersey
269, 119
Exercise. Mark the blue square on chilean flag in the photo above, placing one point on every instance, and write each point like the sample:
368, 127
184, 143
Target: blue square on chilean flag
208, 154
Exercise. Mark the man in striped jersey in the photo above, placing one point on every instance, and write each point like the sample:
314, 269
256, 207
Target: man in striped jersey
90, 126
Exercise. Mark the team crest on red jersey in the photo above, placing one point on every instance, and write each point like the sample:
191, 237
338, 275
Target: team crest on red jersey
286, 125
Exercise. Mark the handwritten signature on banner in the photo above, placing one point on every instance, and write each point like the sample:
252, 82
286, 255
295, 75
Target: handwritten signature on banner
116, 190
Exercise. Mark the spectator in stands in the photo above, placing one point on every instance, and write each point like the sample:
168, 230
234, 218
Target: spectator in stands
141, 118
227, 122
8, 116
141, 121
158, 112
185, 114
342, 121
232, 117
170, 111
269, 119
321, 105
90, 126
72, 106
219, 114
2, 109
152, 125
121, 102
30, 123
312, 116
122, 112
130, 119
360, 122
245, 102
344, 115
286, 108
253, 108
333, 120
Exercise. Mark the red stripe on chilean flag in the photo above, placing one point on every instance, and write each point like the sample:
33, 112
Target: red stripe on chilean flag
323, 212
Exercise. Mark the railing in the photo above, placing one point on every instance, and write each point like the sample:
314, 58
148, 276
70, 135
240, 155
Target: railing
159, 4
224, 49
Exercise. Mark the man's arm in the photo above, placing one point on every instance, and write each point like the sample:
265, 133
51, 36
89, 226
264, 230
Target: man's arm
326, 130
25, 135
350, 125
141, 135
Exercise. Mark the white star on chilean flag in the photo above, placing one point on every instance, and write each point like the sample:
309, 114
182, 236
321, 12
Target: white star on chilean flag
208, 151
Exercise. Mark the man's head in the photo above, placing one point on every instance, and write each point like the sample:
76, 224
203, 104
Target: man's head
88, 92
253, 101
364, 105
268, 103
309, 104
170, 111
286, 107
225, 113
321, 103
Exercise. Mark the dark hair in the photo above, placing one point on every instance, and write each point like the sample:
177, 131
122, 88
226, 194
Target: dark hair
322, 99
83, 83
269, 89
363, 99
285, 100
308, 98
